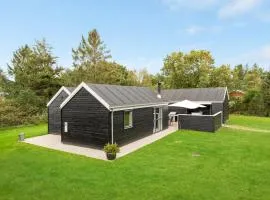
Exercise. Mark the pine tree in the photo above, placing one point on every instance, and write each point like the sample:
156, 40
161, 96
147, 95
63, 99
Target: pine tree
90, 52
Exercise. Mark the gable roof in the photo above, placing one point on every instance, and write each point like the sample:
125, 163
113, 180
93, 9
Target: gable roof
117, 97
67, 90
196, 94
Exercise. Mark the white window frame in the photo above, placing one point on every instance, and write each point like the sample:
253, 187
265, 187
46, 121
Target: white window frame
159, 119
130, 119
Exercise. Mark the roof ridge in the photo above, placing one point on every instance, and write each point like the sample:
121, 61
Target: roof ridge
106, 84
196, 88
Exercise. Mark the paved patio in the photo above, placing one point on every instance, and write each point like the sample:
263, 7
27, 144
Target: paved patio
54, 142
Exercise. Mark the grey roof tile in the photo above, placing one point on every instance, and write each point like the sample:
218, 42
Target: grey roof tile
117, 95
195, 94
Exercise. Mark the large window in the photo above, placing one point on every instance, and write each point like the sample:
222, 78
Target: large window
128, 121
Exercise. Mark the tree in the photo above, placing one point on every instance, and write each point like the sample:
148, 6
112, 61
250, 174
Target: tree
3, 79
188, 70
111, 73
253, 103
144, 78
221, 77
131, 78
34, 70
89, 53
238, 75
107, 72
253, 78
266, 93
158, 78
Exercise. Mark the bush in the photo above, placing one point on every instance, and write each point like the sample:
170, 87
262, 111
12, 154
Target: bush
111, 148
251, 104
11, 114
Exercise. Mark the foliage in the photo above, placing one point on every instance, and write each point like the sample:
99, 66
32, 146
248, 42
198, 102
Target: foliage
188, 70
34, 80
107, 72
3, 79
253, 78
35, 69
221, 77
86, 57
236, 105
238, 75
253, 103
233, 162
196, 69
12, 114
111, 148
266, 93
90, 51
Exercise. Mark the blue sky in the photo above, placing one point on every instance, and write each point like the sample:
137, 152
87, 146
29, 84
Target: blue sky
141, 33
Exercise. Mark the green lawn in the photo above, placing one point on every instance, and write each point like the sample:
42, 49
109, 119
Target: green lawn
232, 165
250, 121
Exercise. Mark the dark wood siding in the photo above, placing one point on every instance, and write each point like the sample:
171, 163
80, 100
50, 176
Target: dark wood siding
217, 120
143, 124
226, 109
217, 107
207, 123
54, 113
165, 111
88, 120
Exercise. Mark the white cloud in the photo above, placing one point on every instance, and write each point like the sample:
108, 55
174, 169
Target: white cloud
195, 29
260, 55
194, 4
238, 7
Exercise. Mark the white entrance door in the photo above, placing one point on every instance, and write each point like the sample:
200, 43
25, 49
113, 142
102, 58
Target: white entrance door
157, 120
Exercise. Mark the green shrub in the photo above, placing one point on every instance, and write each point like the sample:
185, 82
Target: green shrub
11, 114
111, 148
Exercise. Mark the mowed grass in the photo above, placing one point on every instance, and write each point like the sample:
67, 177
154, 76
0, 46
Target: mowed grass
262, 123
187, 165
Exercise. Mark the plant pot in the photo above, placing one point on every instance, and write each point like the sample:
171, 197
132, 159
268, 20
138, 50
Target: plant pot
111, 156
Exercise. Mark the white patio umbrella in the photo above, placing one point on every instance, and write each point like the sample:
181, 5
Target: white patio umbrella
187, 104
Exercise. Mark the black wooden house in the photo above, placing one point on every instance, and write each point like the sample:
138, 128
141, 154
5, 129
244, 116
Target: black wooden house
99, 113
54, 112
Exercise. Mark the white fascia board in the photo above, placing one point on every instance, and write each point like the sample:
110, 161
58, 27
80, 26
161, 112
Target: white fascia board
226, 93
92, 92
63, 88
201, 102
137, 106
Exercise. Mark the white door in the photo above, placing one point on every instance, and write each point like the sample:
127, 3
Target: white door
157, 120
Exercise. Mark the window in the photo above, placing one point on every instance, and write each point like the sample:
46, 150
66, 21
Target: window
128, 119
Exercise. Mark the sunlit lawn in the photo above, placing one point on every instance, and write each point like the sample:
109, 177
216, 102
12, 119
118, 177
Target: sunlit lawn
186, 165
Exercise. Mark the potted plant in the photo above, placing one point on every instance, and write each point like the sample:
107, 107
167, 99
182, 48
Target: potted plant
111, 150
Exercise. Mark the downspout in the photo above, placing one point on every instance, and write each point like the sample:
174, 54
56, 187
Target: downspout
112, 126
